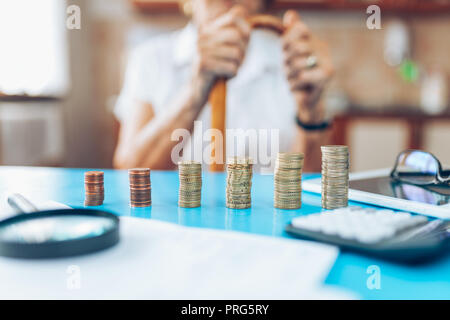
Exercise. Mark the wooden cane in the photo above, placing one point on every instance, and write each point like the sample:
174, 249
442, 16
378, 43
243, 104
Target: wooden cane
218, 95
218, 102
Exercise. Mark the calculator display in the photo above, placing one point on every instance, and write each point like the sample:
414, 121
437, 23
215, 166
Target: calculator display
436, 195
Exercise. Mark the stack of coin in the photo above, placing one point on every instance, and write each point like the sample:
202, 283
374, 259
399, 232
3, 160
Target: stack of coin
288, 180
94, 189
239, 183
140, 187
335, 166
190, 191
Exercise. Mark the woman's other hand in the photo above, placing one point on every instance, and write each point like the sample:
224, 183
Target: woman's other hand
221, 45
308, 67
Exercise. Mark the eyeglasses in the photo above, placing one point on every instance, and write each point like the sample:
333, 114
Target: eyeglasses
420, 168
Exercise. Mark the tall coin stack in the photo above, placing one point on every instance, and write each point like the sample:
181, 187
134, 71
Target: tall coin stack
140, 187
94, 189
288, 180
335, 166
190, 191
239, 183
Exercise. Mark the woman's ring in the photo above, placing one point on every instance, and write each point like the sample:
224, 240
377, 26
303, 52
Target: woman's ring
311, 61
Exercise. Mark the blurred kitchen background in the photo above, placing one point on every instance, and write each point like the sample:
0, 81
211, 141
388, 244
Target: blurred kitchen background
58, 86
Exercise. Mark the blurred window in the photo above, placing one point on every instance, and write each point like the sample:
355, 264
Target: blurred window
33, 50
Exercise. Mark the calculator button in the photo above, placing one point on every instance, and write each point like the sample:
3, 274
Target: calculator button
366, 225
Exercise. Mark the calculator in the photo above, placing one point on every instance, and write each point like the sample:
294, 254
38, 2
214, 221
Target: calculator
383, 233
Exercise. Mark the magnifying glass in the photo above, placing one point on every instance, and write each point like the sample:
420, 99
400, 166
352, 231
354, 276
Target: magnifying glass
55, 233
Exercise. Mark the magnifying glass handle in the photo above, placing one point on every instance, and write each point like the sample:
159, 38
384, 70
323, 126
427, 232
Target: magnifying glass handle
20, 203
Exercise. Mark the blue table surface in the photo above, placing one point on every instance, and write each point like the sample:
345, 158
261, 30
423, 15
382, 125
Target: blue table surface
350, 271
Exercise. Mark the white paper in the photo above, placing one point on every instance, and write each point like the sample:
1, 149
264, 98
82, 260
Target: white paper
158, 260
7, 211
52, 205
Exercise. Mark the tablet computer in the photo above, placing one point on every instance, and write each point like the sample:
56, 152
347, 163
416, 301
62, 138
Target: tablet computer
377, 188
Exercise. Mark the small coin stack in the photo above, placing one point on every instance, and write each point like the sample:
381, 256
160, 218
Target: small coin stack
190, 191
239, 183
140, 187
335, 166
288, 180
94, 189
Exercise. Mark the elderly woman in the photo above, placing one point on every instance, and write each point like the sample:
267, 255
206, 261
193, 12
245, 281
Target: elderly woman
273, 83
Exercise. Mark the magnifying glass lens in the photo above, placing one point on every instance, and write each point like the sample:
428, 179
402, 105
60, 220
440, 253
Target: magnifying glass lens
55, 229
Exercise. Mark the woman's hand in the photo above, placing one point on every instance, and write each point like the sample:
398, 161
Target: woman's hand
308, 67
221, 46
